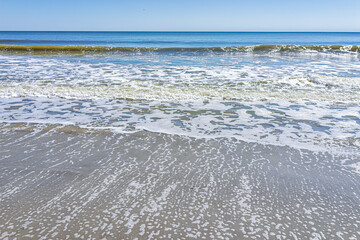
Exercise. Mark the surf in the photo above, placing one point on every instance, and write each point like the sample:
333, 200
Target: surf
253, 48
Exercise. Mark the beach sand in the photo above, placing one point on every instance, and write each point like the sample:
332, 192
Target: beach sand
69, 183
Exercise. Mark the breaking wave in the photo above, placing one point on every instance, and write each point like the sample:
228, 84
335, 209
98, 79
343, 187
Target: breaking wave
255, 48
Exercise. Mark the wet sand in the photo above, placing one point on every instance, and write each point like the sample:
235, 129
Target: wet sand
70, 183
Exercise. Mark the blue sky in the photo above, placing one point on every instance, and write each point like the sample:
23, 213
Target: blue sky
180, 15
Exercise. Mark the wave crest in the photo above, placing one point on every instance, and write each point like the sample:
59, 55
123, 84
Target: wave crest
255, 48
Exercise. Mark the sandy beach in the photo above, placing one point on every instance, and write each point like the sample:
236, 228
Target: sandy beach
70, 183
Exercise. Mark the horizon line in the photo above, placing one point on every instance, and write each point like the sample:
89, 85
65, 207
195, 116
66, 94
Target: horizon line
181, 31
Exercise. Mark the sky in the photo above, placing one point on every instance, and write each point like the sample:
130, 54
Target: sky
180, 15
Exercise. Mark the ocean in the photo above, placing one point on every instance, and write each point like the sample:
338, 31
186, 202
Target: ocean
179, 135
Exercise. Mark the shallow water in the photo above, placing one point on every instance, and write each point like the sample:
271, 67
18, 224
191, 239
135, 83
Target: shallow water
302, 99
182, 140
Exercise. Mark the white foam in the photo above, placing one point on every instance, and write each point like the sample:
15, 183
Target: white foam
309, 79
304, 100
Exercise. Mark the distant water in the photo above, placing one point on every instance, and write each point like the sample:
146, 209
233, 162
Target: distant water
249, 119
179, 39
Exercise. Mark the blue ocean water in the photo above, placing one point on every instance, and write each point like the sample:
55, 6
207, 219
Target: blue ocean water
179, 39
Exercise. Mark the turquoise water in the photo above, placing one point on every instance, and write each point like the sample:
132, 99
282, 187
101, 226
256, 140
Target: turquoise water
178, 39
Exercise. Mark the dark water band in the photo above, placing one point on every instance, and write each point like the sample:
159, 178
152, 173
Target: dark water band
275, 48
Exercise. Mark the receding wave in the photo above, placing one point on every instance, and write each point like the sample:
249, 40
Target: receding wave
270, 48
